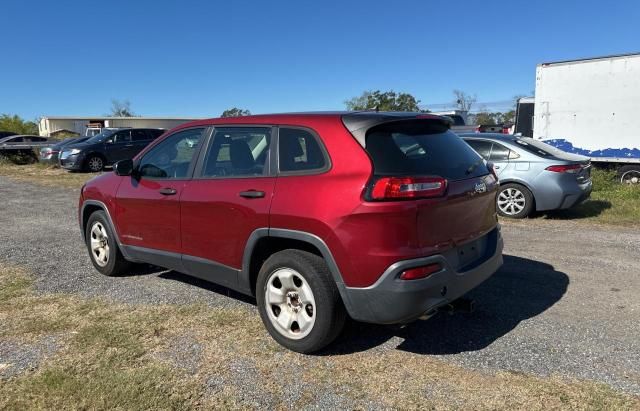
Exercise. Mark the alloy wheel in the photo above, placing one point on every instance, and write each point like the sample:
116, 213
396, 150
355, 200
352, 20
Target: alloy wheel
99, 244
95, 164
511, 201
290, 304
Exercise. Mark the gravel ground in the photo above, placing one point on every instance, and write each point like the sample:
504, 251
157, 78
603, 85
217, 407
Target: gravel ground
565, 302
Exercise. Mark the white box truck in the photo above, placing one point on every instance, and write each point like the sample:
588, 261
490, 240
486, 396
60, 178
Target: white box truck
589, 107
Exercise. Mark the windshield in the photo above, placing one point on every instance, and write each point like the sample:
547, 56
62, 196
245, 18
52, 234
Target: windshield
99, 138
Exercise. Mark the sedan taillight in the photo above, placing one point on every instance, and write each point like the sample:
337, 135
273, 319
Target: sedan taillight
567, 168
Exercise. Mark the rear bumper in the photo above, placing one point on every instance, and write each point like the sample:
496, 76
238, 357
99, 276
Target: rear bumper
578, 196
391, 300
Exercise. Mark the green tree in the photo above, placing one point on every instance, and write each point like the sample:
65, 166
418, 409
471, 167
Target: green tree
121, 109
235, 112
383, 101
485, 118
17, 125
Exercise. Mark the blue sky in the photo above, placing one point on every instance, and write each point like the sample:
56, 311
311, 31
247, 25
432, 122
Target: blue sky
196, 59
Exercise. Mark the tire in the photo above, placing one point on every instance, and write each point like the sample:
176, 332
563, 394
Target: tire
99, 237
315, 315
514, 201
629, 174
94, 164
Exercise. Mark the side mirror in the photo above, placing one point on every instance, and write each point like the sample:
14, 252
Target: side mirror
109, 141
123, 168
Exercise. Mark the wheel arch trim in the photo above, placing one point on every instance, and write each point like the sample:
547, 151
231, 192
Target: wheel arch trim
104, 208
244, 280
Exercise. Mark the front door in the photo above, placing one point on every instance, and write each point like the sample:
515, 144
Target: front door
228, 198
148, 203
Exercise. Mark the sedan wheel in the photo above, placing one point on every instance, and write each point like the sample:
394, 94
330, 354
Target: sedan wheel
99, 244
514, 201
290, 304
511, 201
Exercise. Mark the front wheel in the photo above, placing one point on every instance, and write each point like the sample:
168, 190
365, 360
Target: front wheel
514, 201
95, 164
103, 249
298, 301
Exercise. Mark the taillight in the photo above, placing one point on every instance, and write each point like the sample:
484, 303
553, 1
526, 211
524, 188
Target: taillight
420, 272
391, 188
568, 168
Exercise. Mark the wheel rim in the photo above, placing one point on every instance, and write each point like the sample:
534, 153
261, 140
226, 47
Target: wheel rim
289, 302
95, 164
631, 177
511, 201
99, 244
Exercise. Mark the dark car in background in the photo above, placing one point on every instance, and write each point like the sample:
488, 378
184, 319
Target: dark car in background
4, 134
51, 154
21, 146
106, 148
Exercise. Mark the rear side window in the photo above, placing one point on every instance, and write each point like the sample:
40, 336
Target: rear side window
139, 135
499, 153
421, 148
299, 151
481, 147
238, 152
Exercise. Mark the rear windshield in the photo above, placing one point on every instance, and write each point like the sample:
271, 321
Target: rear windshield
422, 148
538, 147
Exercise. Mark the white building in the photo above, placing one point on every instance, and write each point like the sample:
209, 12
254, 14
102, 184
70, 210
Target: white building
50, 126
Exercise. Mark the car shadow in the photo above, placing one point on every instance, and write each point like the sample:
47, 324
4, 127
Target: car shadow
590, 208
520, 290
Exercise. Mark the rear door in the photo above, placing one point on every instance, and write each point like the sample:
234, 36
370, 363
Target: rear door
227, 200
424, 148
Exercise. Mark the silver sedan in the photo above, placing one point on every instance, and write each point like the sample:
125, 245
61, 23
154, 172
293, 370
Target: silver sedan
533, 175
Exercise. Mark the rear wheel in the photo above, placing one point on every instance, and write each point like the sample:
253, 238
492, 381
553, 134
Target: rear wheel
514, 201
298, 301
95, 164
629, 174
103, 249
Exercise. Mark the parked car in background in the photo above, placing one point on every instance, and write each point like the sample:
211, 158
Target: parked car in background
22, 145
51, 154
106, 148
533, 175
380, 216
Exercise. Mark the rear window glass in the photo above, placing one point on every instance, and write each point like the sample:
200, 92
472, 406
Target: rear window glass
538, 147
421, 148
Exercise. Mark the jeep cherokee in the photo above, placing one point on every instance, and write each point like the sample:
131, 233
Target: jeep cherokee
382, 217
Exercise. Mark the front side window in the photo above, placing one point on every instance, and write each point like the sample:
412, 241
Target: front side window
299, 151
122, 136
237, 152
171, 158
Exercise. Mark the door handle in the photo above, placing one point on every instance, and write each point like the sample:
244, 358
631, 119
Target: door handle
496, 167
252, 194
168, 191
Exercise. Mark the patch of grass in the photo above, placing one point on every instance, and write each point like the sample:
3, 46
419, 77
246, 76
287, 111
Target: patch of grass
44, 175
611, 202
122, 356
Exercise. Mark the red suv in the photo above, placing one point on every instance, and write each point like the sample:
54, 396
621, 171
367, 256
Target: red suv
383, 217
